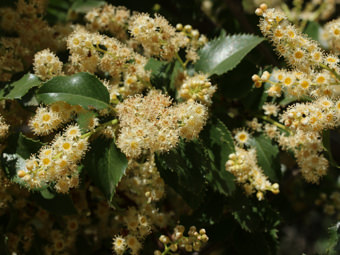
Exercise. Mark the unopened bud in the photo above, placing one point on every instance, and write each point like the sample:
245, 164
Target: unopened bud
263, 7
21, 173
179, 27
188, 28
265, 76
259, 195
255, 78
259, 12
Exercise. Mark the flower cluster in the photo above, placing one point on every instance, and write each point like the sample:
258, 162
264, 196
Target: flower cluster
109, 18
92, 52
193, 242
331, 33
330, 204
49, 118
315, 75
301, 11
297, 49
151, 123
198, 88
46, 65
306, 122
11, 53
156, 35
3, 128
191, 119
142, 182
143, 185
16, 53
243, 165
56, 162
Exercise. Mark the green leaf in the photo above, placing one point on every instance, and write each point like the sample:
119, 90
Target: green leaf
106, 165
27, 146
225, 52
253, 215
18, 89
326, 141
219, 144
183, 169
45, 193
267, 156
312, 30
84, 119
164, 74
333, 246
81, 6
79, 89
255, 98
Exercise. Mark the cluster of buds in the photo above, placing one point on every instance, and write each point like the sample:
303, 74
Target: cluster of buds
193, 242
243, 165
258, 81
56, 162
194, 41
197, 88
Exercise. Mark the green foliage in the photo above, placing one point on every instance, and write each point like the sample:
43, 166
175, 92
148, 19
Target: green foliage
79, 89
258, 218
164, 74
312, 30
267, 156
254, 216
333, 247
326, 140
83, 6
225, 53
183, 169
106, 165
218, 145
20, 88
84, 119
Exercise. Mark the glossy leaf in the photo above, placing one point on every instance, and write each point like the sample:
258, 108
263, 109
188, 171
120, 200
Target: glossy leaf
18, 89
79, 89
84, 6
225, 52
106, 165
267, 156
